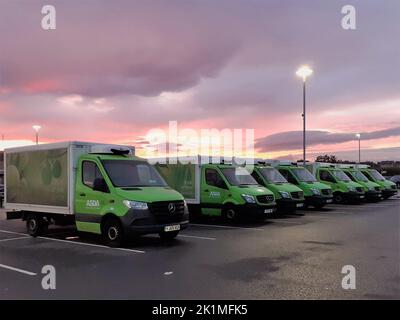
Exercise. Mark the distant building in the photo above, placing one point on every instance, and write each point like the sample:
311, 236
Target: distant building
389, 164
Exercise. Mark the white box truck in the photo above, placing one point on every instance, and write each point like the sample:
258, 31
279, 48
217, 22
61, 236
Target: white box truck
102, 188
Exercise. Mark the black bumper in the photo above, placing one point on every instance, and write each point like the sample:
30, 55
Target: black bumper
289, 204
373, 195
140, 222
318, 201
353, 196
386, 193
256, 210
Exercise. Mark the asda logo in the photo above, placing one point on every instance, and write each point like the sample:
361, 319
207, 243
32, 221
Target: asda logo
93, 203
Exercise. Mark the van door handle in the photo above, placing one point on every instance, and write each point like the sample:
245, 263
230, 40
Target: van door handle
83, 194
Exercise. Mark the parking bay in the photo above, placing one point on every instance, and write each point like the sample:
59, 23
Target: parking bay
297, 256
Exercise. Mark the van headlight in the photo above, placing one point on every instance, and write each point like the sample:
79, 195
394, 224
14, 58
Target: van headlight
284, 194
185, 207
249, 198
135, 205
315, 192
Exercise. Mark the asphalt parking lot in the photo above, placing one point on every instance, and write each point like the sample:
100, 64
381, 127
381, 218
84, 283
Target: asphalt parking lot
292, 257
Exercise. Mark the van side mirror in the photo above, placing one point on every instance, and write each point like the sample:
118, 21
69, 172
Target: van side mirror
99, 184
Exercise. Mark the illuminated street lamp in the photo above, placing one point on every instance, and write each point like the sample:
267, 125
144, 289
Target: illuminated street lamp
358, 136
304, 72
37, 128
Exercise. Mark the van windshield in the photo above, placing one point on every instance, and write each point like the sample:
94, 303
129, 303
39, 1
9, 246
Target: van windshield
377, 175
304, 175
272, 175
238, 176
341, 176
129, 173
360, 176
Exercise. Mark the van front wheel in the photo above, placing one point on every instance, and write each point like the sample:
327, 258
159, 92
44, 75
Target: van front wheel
230, 214
113, 233
338, 198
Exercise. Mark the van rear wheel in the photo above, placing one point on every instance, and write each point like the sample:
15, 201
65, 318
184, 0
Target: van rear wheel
36, 225
112, 232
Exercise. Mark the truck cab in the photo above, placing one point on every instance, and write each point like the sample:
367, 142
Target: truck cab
343, 188
316, 194
388, 188
288, 196
117, 194
230, 191
372, 190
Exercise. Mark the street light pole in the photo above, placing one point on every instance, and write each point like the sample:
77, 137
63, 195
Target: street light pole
303, 72
36, 128
304, 123
359, 147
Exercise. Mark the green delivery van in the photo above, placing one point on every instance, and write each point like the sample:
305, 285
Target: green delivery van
217, 189
316, 194
343, 188
388, 188
288, 196
102, 189
372, 190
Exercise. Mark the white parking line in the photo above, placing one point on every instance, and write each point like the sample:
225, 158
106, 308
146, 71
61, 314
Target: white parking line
92, 245
226, 227
196, 237
29, 273
12, 232
340, 212
10, 239
380, 206
288, 222
78, 243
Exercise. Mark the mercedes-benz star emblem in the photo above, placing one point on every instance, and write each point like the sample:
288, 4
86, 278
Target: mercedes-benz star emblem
171, 208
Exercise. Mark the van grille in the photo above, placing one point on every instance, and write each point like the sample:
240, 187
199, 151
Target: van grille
297, 195
163, 214
265, 198
326, 192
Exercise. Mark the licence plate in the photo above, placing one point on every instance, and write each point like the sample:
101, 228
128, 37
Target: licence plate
329, 201
172, 228
268, 210
299, 205
361, 197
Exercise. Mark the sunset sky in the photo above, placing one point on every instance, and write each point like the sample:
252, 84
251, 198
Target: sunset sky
112, 70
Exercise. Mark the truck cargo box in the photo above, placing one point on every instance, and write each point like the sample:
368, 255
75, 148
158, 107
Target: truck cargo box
41, 178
